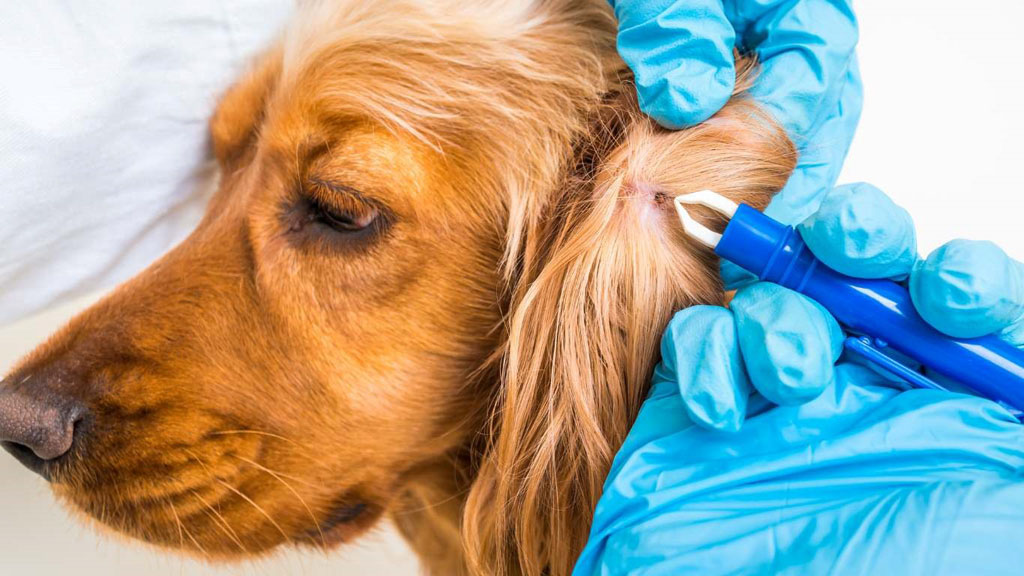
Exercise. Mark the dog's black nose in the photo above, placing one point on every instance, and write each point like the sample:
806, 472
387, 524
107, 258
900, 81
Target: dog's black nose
36, 426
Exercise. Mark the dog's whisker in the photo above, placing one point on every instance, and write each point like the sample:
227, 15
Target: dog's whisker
188, 532
256, 506
177, 521
181, 532
229, 530
260, 433
219, 520
277, 476
282, 474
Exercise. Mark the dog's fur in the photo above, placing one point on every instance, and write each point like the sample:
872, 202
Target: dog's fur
467, 364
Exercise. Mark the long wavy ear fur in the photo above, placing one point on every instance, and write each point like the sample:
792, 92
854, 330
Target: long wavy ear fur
587, 317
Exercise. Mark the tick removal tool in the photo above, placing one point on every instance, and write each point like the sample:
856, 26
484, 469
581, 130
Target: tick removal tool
878, 314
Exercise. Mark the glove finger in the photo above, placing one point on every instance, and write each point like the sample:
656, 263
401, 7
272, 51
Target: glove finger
788, 342
861, 232
810, 82
806, 50
819, 164
700, 348
970, 288
681, 54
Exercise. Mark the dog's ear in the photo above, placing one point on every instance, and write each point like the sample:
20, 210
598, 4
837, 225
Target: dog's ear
237, 118
585, 326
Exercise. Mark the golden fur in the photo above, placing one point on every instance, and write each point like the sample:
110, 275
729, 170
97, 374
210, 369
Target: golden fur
468, 366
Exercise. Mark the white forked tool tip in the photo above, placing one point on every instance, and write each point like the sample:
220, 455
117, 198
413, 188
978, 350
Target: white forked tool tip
695, 229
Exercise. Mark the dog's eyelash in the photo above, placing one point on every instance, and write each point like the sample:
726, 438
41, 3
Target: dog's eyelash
320, 185
344, 197
335, 214
345, 221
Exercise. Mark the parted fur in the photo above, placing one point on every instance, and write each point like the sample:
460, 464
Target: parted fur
471, 367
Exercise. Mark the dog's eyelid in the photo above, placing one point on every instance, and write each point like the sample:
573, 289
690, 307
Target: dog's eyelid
335, 187
343, 207
339, 188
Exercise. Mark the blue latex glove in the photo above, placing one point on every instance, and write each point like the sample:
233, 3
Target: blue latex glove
863, 479
784, 345
776, 341
681, 54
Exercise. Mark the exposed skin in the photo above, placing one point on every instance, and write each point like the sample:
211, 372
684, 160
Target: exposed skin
327, 348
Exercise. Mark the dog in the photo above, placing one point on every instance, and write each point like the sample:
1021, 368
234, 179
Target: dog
430, 287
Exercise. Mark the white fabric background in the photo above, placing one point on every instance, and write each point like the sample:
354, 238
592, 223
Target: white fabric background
941, 133
103, 109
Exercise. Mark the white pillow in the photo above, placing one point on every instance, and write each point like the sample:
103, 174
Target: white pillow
103, 142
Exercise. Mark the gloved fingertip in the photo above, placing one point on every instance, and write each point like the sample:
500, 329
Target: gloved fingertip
700, 348
788, 343
807, 55
969, 288
794, 371
684, 322
859, 231
679, 100
681, 54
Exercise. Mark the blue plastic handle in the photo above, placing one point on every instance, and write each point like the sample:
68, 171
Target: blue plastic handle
881, 309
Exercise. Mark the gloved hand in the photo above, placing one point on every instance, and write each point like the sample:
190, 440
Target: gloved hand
681, 54
865, 478
784, 345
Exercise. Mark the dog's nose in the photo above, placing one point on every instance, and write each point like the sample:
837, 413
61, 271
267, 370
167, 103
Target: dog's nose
37, 427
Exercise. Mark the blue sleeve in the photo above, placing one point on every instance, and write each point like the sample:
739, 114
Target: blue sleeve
865, 479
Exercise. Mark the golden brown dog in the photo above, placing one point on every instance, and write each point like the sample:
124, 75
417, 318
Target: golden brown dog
430, 287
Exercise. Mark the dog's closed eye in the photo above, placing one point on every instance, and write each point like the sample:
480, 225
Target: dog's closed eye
343, 221
335, 211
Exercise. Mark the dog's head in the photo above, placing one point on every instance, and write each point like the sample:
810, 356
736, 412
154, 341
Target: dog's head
443, 240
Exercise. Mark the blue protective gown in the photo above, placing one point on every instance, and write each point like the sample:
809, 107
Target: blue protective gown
865, 479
